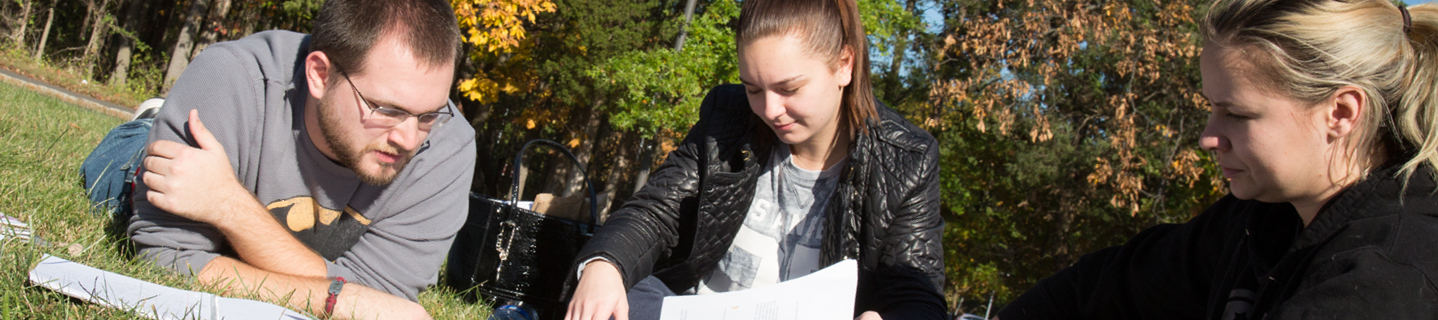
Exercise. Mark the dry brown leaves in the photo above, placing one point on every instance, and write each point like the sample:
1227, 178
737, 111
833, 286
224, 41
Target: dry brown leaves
1043, 40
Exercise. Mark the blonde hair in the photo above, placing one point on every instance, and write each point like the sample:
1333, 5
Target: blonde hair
1308, 49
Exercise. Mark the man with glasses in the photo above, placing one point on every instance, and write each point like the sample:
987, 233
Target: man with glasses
322, 170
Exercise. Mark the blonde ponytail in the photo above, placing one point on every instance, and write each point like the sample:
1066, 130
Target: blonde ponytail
1417, 109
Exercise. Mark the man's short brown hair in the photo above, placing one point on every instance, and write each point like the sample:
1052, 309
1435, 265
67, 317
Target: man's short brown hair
346, 30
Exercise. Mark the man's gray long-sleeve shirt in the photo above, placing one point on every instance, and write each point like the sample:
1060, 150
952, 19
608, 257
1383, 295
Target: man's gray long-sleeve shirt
251, 94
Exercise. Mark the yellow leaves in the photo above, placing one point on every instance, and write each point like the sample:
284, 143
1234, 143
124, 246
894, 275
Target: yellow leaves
529, 124
573, 143
479, 89
497, 25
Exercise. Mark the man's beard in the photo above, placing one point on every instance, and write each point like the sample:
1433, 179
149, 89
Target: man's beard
331, 125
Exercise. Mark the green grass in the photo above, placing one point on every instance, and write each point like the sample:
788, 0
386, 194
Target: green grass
42, 143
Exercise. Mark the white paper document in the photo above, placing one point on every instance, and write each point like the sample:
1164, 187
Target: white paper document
12, 228
147, 299
826, 294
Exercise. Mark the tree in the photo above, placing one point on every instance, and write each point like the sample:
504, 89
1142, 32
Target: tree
128, 42
184, 43
660, 90
906, 42
1065, 126
97, 33
215, 25
19, 35
45, 35
560, 101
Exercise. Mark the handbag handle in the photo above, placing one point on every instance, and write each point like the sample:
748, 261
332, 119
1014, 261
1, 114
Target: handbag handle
518, 161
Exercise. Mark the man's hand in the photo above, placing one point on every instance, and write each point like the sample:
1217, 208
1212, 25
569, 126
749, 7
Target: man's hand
197, 184
600, 294
869, 315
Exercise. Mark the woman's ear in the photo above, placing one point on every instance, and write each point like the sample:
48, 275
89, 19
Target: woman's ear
1344, 111
317, 73
844, 72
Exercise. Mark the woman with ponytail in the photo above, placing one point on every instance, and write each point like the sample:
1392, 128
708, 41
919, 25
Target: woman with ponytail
1325, 122
796, 169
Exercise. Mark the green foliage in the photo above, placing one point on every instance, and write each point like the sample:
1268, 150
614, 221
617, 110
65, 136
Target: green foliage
661, 89
585, 33
146, 72
293, 15
886, 21
303, 10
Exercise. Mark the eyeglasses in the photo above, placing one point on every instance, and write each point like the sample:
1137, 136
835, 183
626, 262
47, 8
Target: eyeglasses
390, 117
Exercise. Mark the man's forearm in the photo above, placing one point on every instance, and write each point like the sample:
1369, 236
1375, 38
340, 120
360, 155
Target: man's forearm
235, 277
306, 293
263, 243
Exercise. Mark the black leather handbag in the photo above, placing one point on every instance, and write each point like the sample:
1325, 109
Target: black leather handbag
506, 254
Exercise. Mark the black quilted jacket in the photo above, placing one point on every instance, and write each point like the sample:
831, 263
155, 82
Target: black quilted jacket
884, 213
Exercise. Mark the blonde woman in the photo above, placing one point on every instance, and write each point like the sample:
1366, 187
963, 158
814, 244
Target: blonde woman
1323, 120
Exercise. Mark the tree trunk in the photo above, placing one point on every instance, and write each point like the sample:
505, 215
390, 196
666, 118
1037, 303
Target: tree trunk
249, 18
156, 18
648, 150
684, 33
213, 24
96, 38
127, 44
585, 150
19, 35
557, 175
184, 43
45, 36
900, 49
89, 12
622, 155
563, 178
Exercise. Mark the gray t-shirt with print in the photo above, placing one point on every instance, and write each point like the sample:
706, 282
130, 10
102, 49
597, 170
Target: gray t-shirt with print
781, 235
251, 95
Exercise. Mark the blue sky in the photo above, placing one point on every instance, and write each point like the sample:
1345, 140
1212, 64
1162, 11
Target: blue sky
1413, 2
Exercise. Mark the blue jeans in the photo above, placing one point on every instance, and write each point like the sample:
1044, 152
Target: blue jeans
109, 171
646, 298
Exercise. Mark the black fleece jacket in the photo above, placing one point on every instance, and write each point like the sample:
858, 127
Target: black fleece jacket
1368, 254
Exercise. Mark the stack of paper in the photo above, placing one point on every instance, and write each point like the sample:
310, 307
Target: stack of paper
824, 294
147, 299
